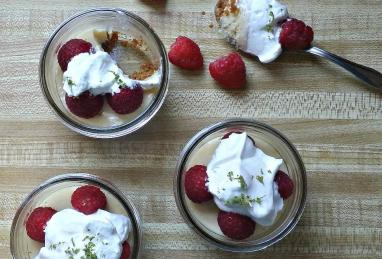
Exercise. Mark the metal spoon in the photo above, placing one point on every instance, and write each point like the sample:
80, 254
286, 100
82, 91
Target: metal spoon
366, 74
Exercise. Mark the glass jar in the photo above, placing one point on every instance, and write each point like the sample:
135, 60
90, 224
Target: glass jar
56, 193
202, 218
108, 124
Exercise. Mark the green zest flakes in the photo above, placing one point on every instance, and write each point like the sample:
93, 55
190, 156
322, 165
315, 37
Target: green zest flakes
89, 251
243, 184
90, 238
260, 178
259, 200
71, 251
269, 26
118, 79
230, 175
54, 246
244, 200
70, 82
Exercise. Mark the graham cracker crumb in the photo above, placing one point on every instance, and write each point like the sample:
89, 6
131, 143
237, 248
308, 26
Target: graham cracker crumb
226, 7
146, 70
233, 7
111, 41
134, 43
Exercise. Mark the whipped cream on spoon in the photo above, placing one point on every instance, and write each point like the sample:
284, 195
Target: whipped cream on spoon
254, 27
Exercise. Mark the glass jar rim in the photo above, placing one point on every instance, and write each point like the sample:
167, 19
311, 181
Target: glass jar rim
180, 167
79, 176
123, 129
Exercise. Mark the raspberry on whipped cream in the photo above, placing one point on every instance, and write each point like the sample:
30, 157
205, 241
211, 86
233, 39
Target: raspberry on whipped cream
241, 179
254, 26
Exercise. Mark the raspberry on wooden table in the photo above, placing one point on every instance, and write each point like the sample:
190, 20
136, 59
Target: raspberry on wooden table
186, 54
229, 71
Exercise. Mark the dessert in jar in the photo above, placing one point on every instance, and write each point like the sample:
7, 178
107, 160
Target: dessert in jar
247, 186
79, 222
116, 72
107, 77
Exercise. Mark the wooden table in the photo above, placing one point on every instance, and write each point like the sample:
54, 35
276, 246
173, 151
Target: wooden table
334, 121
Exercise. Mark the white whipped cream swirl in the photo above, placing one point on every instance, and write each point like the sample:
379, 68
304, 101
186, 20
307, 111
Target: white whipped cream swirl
72, 234
241, 179
255, 27
99, 73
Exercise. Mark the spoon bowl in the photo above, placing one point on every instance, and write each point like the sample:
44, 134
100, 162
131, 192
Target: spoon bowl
366, 74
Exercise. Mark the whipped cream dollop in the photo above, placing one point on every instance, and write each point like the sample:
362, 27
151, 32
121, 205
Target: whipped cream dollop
254, 26
72, 234
99, 73
241, 179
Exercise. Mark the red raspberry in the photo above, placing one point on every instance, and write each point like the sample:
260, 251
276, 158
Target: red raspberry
295, 35
88, 199
195, 184
127, 100
37, 221
125, 250
85, 105
236, 226
284, 183
229, 71
238, 132
185, 53
71, 49
229, 134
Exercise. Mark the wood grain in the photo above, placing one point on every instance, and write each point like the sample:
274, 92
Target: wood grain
334, 121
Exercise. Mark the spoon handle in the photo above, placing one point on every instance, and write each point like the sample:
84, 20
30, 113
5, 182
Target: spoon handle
366, 74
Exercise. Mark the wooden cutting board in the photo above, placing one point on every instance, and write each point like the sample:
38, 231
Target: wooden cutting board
334, 121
